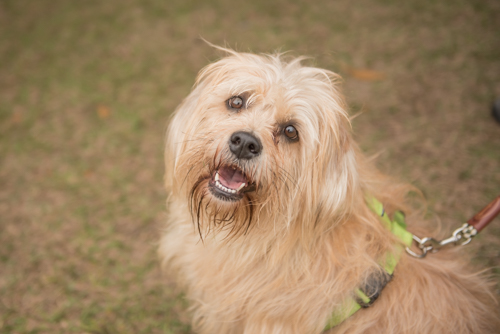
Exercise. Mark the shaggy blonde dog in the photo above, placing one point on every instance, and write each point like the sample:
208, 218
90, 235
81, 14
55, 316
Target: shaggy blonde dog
269, 225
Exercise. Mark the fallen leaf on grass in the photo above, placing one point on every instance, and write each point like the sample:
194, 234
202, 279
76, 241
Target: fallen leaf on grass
17, 117
88, 174
103, 112
365, 74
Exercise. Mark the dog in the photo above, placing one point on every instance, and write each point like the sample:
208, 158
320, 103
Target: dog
270, 227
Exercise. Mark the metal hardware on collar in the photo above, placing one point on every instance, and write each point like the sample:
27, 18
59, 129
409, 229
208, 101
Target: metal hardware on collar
461, 236
368, 294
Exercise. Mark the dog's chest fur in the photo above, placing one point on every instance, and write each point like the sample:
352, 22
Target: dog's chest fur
249, 276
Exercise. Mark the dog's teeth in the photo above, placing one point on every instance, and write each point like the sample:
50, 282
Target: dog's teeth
221, 187
240, 187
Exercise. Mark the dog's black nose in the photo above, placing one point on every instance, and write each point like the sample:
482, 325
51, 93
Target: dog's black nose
244, 145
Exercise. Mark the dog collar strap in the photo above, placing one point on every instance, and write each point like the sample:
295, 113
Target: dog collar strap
396, 226
366, 295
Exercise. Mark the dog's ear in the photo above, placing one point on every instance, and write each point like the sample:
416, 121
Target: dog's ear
335, 179
340, 175
176, 140
337, 176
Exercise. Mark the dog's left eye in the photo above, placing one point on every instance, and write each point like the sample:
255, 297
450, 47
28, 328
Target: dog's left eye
291, 132
235, 102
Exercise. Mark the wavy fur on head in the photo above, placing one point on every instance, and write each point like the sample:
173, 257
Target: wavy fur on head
282, 255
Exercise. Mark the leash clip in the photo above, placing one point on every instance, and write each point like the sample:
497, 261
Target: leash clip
460, 237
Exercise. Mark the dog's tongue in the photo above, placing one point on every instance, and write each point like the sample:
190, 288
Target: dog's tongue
231, 178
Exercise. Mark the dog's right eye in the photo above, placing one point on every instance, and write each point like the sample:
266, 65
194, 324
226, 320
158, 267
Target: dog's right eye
291, 133
236, 102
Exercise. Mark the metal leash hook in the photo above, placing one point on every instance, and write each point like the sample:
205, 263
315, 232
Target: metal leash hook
461, 236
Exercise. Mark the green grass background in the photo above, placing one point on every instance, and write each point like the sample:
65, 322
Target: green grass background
86, 90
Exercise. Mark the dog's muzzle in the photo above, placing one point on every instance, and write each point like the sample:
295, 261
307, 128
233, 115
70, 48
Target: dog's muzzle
229, 182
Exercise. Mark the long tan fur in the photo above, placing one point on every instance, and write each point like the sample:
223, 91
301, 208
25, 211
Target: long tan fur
284, 257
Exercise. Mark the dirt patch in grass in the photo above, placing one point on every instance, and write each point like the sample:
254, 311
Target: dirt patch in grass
86, 90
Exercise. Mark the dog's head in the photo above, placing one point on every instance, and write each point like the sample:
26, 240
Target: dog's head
260, 136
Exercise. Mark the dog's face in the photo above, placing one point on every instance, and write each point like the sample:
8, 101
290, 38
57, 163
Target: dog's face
259, 136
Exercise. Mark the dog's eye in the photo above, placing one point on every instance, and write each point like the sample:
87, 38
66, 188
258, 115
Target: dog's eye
235, 102
291, 132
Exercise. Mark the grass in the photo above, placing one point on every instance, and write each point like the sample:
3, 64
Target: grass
86, 90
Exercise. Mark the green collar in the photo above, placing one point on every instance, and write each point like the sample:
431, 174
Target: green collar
365, 296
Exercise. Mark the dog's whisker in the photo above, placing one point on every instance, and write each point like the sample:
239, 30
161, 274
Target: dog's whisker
187, 174
198, 218
287, 175
192, 140
275, 186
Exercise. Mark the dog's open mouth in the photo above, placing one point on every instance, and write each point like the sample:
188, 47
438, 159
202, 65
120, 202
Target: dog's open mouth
229, 183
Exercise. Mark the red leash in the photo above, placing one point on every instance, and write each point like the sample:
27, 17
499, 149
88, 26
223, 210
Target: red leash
486, 215
461, 236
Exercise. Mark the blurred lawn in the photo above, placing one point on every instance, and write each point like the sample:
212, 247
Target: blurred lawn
86, 89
